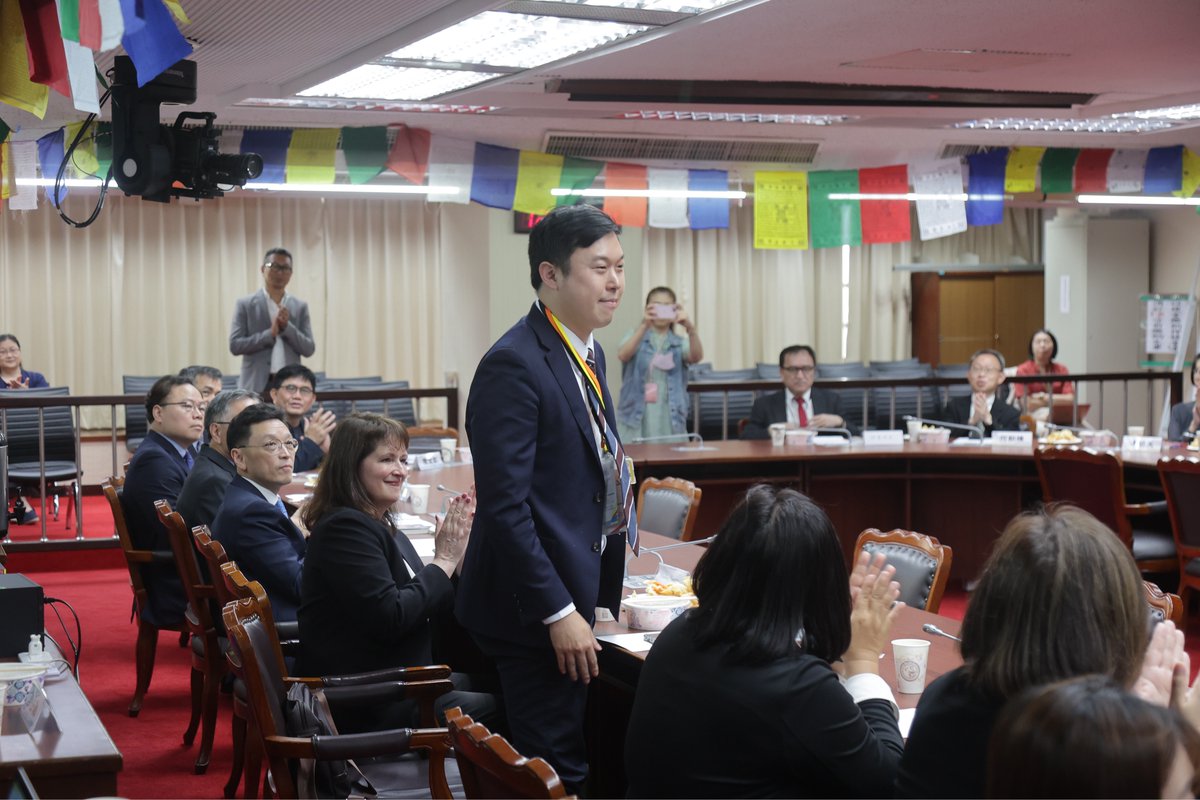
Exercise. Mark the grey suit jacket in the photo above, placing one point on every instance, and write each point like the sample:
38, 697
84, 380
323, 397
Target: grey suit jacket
250, 337
1181, 418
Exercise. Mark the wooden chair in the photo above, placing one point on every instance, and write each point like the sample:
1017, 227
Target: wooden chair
922, 564
1163, 605
1094, 481
668, 507
1180, 478
256, 644
490, 767
208, 647
147, 638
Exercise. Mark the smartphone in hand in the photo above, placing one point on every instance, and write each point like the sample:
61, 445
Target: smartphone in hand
664, 311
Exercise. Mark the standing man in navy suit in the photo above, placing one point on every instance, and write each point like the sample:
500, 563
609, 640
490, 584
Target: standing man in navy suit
252, 522
554, 501
175, 417
271, 328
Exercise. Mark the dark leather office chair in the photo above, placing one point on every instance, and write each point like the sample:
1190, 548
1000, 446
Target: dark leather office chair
1163, 605
26, 430
922, 564
427, 439
1180, 478
1094, 481
668, 506
136, 424
490, 767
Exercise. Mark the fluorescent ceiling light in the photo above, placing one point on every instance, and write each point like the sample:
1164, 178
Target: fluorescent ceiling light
376, 81
678, 6
495, 38
342, 104
1067, 125
915, 196
347, 188
659, 193
1134, 200
70, 183
724, 116
1167, 112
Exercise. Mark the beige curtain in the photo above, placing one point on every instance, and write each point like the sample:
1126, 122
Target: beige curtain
150, 287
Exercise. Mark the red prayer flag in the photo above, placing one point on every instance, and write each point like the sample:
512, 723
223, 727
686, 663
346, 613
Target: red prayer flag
626, 210
409, 156
44, 45
884, 221
1091, 171
89, 24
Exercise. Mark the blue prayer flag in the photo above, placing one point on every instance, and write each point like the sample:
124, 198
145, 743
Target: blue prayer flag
157, 43
494, 179
272, 147
985, 187
50, 155
708, 212
1164, 170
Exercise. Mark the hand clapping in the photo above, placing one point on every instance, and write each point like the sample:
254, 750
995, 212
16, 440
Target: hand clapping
874, 605
450, 541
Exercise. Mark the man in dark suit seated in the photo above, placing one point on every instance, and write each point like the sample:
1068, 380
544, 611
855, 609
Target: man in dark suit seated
252, 522
294, 390
798, 404
205, 486
985, 406
175, 416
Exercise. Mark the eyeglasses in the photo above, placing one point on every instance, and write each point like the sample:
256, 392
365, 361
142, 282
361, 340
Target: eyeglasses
188, 406
10, 351
983, 370
292, 388
794, 370
278, 267
273, 446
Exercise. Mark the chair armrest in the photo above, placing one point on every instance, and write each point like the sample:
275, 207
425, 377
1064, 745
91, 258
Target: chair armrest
436, 672
150, 557
424, 692
378, 743
287, 630
1145, 509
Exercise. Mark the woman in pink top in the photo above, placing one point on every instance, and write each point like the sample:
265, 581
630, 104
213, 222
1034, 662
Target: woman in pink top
1043, 347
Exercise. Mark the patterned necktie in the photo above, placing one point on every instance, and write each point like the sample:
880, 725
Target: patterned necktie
613, 445
281, 508
188, 460
801, 414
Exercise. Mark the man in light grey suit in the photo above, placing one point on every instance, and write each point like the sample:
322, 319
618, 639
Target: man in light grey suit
271, 329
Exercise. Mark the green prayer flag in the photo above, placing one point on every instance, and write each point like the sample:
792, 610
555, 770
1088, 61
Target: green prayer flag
1058, 170
577, 173
833, 223
366, 151
104, 148
4, 129
68, 19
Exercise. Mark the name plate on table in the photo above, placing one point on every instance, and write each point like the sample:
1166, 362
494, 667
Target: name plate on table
1013, 438
427, 460
1141, 443
883, 438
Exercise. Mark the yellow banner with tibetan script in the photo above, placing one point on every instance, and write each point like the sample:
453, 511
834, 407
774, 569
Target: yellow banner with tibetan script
310, 157
781, 210
537, 174
1020, 174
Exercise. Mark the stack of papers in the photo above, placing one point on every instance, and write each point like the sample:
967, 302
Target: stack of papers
411, 524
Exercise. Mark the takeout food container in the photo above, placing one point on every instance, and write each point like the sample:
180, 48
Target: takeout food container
653, 612
20, 681
939, 436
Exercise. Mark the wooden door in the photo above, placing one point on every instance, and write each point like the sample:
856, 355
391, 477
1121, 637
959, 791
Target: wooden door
1020, 299
966, 317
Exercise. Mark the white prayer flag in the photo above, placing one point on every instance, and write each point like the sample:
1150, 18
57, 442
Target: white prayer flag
1126, 170
24, 168
81, 69
940, 217
112, 24
667, 212
451, 163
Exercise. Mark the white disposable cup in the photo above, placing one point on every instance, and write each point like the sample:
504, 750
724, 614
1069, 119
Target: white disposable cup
448, 446
464, 455
1137, 430
419, 497
914, 429
777, 429
912, 659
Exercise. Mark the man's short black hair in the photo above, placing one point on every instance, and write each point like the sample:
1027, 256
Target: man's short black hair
563, 231
793, 349
293, 371
276, 251
239, 427
159, 391
196, 370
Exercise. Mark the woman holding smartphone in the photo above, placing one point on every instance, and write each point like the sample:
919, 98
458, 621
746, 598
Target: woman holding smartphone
654, 359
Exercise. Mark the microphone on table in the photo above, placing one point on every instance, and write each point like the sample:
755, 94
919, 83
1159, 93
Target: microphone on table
929, 627
672, 437
974, 430
843, 431
654, 551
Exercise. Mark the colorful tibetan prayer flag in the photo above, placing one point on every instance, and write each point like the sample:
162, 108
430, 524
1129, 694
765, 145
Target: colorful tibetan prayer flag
626, 210
68, 19
81, 71
4, 130
16, 89
409, 156
834, 222
885, 221
577, 174
667, 211
537, 174
985, 187
708, 212
50, 154
112, 24
451, 166
157, 45
83, 160
272, 147
494, 180
1020, 174
6, 187
177, 12
1058, 170
781, 210
1126, 171
90, 27
24, 171
1191, 175
1164, 170
941, 209
311, 155
366, 151
1091, 170
104, 148
44, 43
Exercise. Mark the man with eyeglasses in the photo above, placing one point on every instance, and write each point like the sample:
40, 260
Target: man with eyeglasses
798, 404
985, 405
205, 486
271, 328
252, 523
175, 417
293, 390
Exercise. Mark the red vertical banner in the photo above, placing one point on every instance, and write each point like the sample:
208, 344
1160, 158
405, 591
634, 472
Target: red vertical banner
44, 45
884, 221
626, 210
409, 156
1091, 171
89, 24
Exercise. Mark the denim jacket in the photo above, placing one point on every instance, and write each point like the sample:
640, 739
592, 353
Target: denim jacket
632, 403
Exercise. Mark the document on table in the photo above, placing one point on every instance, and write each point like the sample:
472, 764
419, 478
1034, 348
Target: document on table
633, 642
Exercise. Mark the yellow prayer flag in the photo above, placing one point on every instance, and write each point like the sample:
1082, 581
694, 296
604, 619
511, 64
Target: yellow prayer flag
15, 87
1191, 174
6, 185
537, 174
310, 157
177, 10
84, 158
781, 210
1020, 174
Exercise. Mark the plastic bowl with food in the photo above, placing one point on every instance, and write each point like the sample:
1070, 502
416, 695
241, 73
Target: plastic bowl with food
21, 681
653, 612
933, 436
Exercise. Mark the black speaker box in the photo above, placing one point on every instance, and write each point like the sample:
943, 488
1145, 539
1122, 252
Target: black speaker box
21, 610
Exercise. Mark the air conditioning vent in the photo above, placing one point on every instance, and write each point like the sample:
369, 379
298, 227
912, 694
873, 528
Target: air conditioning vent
960, 150
665, 148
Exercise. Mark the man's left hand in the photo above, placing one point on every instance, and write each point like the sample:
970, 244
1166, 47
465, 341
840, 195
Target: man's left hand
318, 428
826, 421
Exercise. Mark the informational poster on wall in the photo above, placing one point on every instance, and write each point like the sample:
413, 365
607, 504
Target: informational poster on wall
1166, 317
